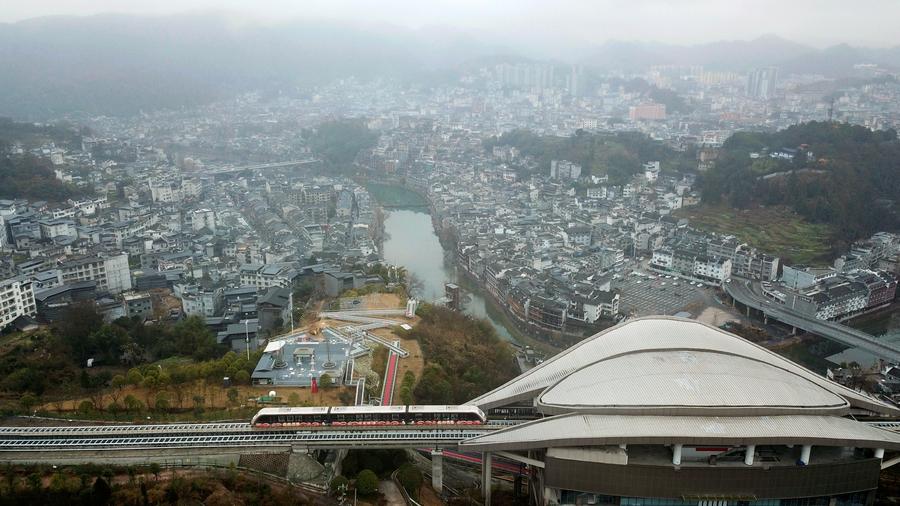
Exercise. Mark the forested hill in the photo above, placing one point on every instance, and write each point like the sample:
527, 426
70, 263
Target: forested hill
29, 176
618, 155
844, 175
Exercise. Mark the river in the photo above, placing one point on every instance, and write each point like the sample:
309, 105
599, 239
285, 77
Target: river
883, 325
410, 241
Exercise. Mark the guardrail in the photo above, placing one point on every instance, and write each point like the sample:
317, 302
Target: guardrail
741, 292
331, 439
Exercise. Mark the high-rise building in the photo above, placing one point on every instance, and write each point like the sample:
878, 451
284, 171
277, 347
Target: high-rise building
761, 83
650, 111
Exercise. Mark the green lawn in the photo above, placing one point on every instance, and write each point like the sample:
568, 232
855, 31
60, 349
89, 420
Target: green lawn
775, 230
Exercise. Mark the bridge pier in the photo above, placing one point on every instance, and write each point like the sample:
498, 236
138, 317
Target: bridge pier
748, 311
793, 330
765, 319
486, 464
302, 466
437, 470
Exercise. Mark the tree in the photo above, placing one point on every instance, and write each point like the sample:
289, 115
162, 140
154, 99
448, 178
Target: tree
193, 338
233, 395
150, 384
132, 403
242, 378
28, 401
366, 482
338, 485
86, 407
101, 491
199, 400
34, 482
134, 377
117, 383
325, 380
155, 469
162, 401
411, 478
79, 322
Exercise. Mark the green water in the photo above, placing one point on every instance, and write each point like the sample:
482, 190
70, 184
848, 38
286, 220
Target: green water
410, 241
389, 195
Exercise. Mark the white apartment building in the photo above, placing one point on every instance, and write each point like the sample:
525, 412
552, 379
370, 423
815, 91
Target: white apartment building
267, 275
203, 218
662, 258
56, 228
16, 299
111, 273
651, 171
718, 269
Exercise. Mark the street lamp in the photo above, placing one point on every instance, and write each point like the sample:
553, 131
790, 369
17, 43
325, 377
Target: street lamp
291, 304
247, 336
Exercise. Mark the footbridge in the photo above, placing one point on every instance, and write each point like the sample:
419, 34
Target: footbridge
742, 291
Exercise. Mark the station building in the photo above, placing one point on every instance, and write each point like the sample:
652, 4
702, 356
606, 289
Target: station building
663, 411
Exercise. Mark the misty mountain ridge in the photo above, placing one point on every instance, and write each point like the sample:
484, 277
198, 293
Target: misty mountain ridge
120, 64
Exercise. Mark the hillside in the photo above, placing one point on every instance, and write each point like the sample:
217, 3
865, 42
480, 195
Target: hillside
464, 358
844, 176
617, 155
29, 176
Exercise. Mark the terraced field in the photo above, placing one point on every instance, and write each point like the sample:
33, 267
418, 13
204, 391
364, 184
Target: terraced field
775, 230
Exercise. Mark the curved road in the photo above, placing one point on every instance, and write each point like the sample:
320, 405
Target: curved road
745, 292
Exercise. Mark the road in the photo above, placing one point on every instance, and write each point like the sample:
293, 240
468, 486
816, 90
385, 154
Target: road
748, 293
261, 166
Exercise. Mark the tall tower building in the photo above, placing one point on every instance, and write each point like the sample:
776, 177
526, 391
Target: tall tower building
761, 83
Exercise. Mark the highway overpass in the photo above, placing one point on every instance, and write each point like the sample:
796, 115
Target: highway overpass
745, 292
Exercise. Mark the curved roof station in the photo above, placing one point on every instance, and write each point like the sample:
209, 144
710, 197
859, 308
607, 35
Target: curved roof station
674, 409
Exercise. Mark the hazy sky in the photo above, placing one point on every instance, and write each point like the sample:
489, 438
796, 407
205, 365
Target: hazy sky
562, 22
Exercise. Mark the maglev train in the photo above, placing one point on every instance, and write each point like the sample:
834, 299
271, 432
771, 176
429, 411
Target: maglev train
342, 416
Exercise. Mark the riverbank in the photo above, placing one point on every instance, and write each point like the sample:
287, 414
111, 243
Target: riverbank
886, 320
423, 261
495, 311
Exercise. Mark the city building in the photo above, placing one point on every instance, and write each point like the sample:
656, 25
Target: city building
719, 421
647, 112
268, 275
799, 277
564, 170
112, 273
761, 83
138, 305
16, 300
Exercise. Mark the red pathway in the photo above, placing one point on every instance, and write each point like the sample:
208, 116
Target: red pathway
390, 377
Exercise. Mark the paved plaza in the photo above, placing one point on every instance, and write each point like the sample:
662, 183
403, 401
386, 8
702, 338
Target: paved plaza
660, 296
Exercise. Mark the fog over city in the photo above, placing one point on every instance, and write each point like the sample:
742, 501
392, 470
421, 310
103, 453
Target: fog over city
450, 252
543, 25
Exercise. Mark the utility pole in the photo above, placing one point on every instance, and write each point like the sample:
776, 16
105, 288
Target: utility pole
247, 336
291, 304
